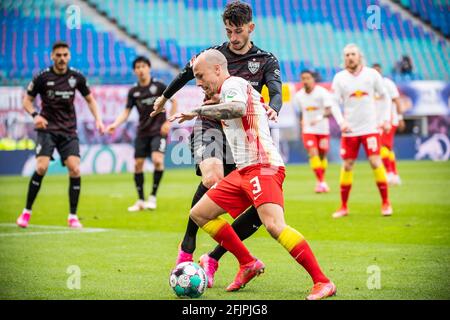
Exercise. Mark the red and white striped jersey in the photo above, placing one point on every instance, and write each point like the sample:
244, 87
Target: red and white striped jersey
249, 137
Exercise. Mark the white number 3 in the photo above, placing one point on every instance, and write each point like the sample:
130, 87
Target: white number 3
256, 185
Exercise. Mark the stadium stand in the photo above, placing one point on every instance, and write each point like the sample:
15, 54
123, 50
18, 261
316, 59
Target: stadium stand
434, 12
310, 34
28, 29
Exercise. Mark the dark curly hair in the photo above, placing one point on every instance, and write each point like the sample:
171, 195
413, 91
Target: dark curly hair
237, 13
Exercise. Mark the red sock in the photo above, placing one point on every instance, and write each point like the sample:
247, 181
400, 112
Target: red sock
387, 164
393, 164
345, 193
303, 255
383, 187
228, 239
319, 174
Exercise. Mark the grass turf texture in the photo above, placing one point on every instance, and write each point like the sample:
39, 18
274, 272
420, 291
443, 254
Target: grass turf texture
132, 259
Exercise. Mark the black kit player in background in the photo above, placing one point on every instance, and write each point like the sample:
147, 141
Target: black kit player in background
151, 132
213, 161
56, 126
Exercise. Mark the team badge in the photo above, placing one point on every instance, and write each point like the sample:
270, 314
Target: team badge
253, 66
72, 82
153, 89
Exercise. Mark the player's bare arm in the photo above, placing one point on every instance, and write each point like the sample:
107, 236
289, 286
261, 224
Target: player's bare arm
398, 105
92, 104
119, 120
39, 121
165, 128
222, 111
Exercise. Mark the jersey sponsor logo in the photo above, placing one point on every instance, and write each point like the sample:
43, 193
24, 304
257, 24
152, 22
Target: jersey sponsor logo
359, 94
149, 101
136, 94
153, 89
311, 108
277, 73
230, 95
50, 94
253, 66
72, 82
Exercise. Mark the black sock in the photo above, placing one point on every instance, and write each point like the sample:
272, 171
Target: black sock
33, 189
244, 226
74, 193
139, 182
188, 244
157, 175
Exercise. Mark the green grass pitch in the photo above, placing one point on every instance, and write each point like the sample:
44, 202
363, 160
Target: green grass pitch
133, 256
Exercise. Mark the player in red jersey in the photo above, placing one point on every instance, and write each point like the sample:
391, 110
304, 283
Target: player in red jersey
258, 179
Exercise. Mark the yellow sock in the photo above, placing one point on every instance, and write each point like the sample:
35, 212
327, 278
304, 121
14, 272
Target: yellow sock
289, 238
324, 163
346, 177
380, 174
384, 152
213, 227
315, 162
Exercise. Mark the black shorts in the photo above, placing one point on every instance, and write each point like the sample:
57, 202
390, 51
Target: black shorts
208, 141
144, 146
66, 145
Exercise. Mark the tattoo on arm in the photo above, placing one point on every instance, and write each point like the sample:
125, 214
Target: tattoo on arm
222, 111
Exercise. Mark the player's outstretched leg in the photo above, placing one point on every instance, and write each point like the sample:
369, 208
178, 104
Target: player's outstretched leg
272, 216
73, 165
34, 186
244, 226
206, 214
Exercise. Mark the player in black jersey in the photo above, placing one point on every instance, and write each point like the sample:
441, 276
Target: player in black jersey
151, 132
208, 143
56, 126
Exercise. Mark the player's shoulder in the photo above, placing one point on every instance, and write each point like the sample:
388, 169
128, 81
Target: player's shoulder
42, 73
158, 82
134, 87
75, 72
388, 81
269, 56
233, 82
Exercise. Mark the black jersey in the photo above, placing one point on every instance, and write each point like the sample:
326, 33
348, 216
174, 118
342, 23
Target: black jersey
257, 66
143, 97
57, 92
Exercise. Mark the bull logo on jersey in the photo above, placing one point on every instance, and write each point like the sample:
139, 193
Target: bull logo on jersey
311, 108
359, 94
253, 66
72, 82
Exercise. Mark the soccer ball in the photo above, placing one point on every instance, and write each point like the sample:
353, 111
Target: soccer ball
188, 280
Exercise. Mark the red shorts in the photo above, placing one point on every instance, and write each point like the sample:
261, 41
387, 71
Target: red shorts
318, 141
350, 145
251, 186
387, 139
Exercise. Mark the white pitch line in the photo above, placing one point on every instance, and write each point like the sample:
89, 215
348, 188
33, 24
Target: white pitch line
64, 230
